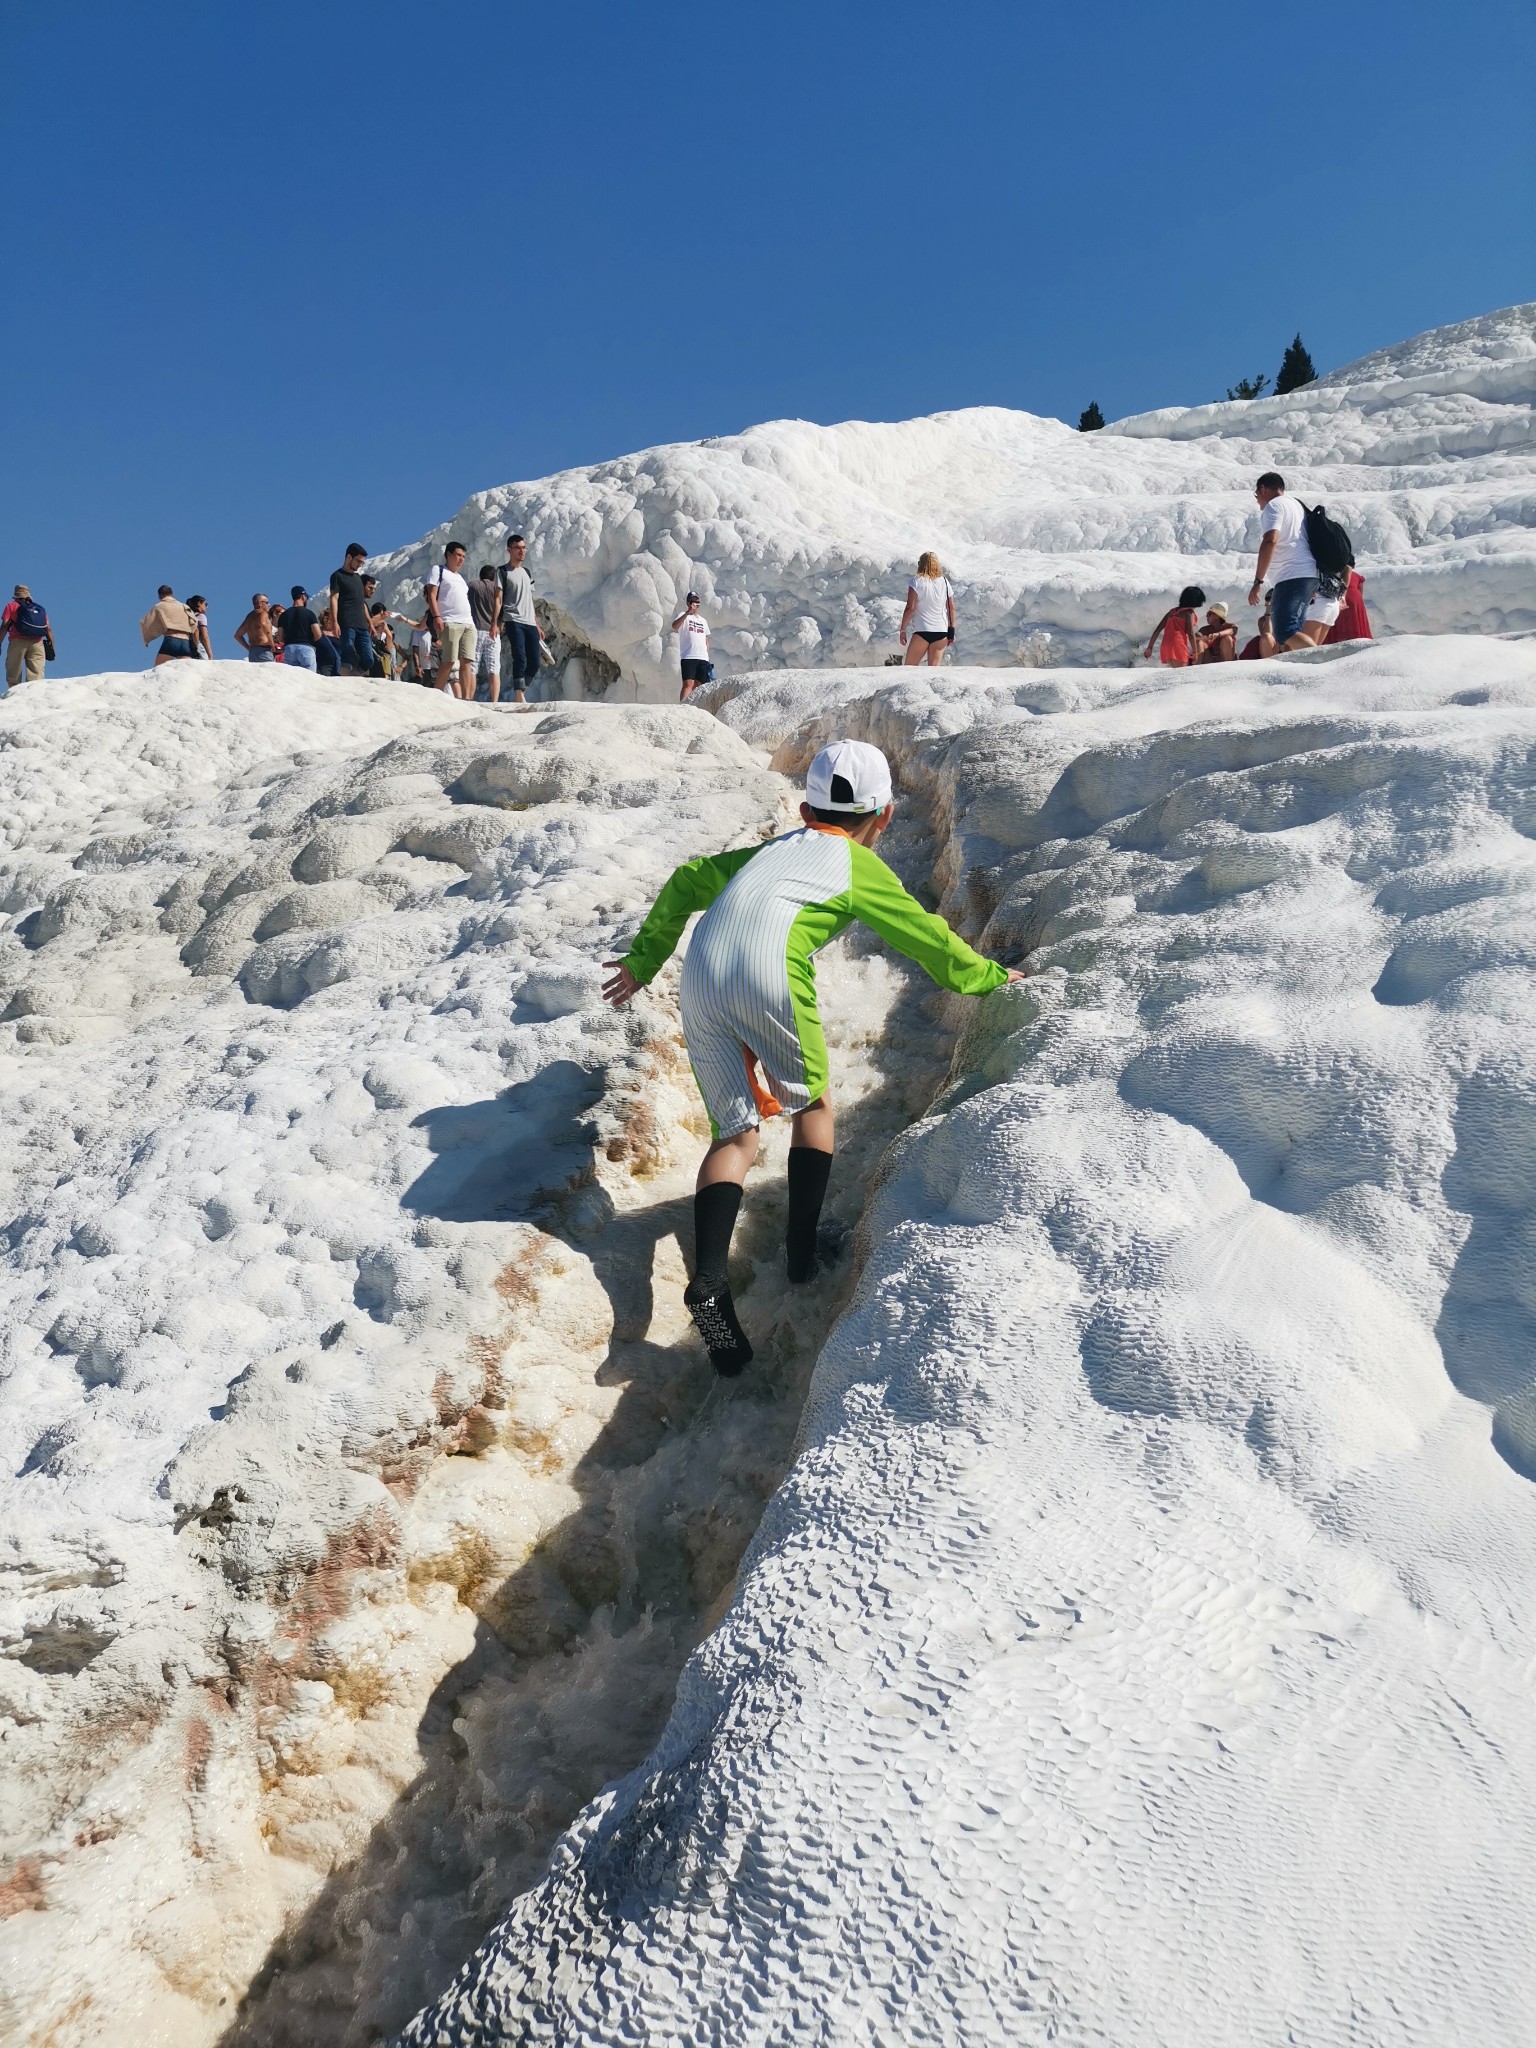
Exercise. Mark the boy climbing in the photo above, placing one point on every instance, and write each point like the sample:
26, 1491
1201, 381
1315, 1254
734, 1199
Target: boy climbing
748, 995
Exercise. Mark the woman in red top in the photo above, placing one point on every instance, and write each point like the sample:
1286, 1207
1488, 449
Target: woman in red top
1178, 629
1353, 622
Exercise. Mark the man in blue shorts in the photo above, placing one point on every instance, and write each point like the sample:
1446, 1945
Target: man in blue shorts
1285, 560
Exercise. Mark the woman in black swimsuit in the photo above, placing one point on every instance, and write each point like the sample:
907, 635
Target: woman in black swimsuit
929, 618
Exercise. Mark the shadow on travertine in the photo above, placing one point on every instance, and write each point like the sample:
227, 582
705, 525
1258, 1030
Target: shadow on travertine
576, 1655
1487, 1321
496, 1161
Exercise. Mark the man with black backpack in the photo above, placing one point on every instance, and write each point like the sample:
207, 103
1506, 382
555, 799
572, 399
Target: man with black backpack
27, 647
1286, 561
1309, 557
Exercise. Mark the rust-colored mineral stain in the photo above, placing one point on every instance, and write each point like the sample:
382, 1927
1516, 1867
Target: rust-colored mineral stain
22, 1891
199, 1747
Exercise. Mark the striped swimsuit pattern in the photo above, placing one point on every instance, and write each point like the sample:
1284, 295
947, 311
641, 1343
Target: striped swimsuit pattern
736, 994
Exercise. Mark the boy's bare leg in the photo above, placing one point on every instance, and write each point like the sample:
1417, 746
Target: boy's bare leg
728, 1159
813, 1126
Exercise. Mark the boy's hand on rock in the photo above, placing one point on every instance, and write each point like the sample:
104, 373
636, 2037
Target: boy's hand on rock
1017, 974
620, 986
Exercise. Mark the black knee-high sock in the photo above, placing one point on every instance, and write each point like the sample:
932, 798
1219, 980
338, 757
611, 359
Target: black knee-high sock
714, 1218
808, 1171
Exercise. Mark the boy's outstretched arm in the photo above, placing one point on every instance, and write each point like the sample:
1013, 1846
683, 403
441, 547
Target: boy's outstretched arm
884, 905
693, 886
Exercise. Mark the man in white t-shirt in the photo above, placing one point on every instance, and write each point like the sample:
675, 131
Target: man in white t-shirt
692, 646
1285, 561
447, 595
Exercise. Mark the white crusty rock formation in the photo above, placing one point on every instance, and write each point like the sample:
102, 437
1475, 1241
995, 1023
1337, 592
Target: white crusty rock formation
298, 987
357, 1506
1139, 1650
1062, 546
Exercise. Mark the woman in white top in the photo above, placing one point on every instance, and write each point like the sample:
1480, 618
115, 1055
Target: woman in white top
929, 618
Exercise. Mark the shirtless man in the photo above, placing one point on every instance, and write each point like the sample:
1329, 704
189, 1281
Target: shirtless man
254, 632
171, 624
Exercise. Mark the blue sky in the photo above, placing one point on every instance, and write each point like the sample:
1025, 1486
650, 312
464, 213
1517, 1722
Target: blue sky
280, 276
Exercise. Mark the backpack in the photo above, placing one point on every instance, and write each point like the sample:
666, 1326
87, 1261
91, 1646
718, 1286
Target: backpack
31, 621
1330, 544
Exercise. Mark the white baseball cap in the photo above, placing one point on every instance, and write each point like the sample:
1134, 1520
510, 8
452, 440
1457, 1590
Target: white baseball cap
863, 770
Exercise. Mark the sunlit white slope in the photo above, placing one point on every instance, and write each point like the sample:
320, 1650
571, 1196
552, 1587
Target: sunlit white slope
800, 537
300, 1029
1140, 1651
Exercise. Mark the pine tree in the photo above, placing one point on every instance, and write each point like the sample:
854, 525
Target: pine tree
1091, 419
1247, 387
1296, 369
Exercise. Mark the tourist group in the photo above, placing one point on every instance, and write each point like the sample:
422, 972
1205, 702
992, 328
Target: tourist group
473, 633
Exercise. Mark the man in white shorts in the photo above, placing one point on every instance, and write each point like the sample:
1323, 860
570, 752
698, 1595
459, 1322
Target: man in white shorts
692, 646
485, 603
1321, 616
447, 595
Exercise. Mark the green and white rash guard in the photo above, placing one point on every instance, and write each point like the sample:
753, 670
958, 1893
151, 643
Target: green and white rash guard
749, 981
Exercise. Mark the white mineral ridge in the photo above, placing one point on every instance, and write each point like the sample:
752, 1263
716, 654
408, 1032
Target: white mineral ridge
1140, 1649
1062, 546
298, 983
